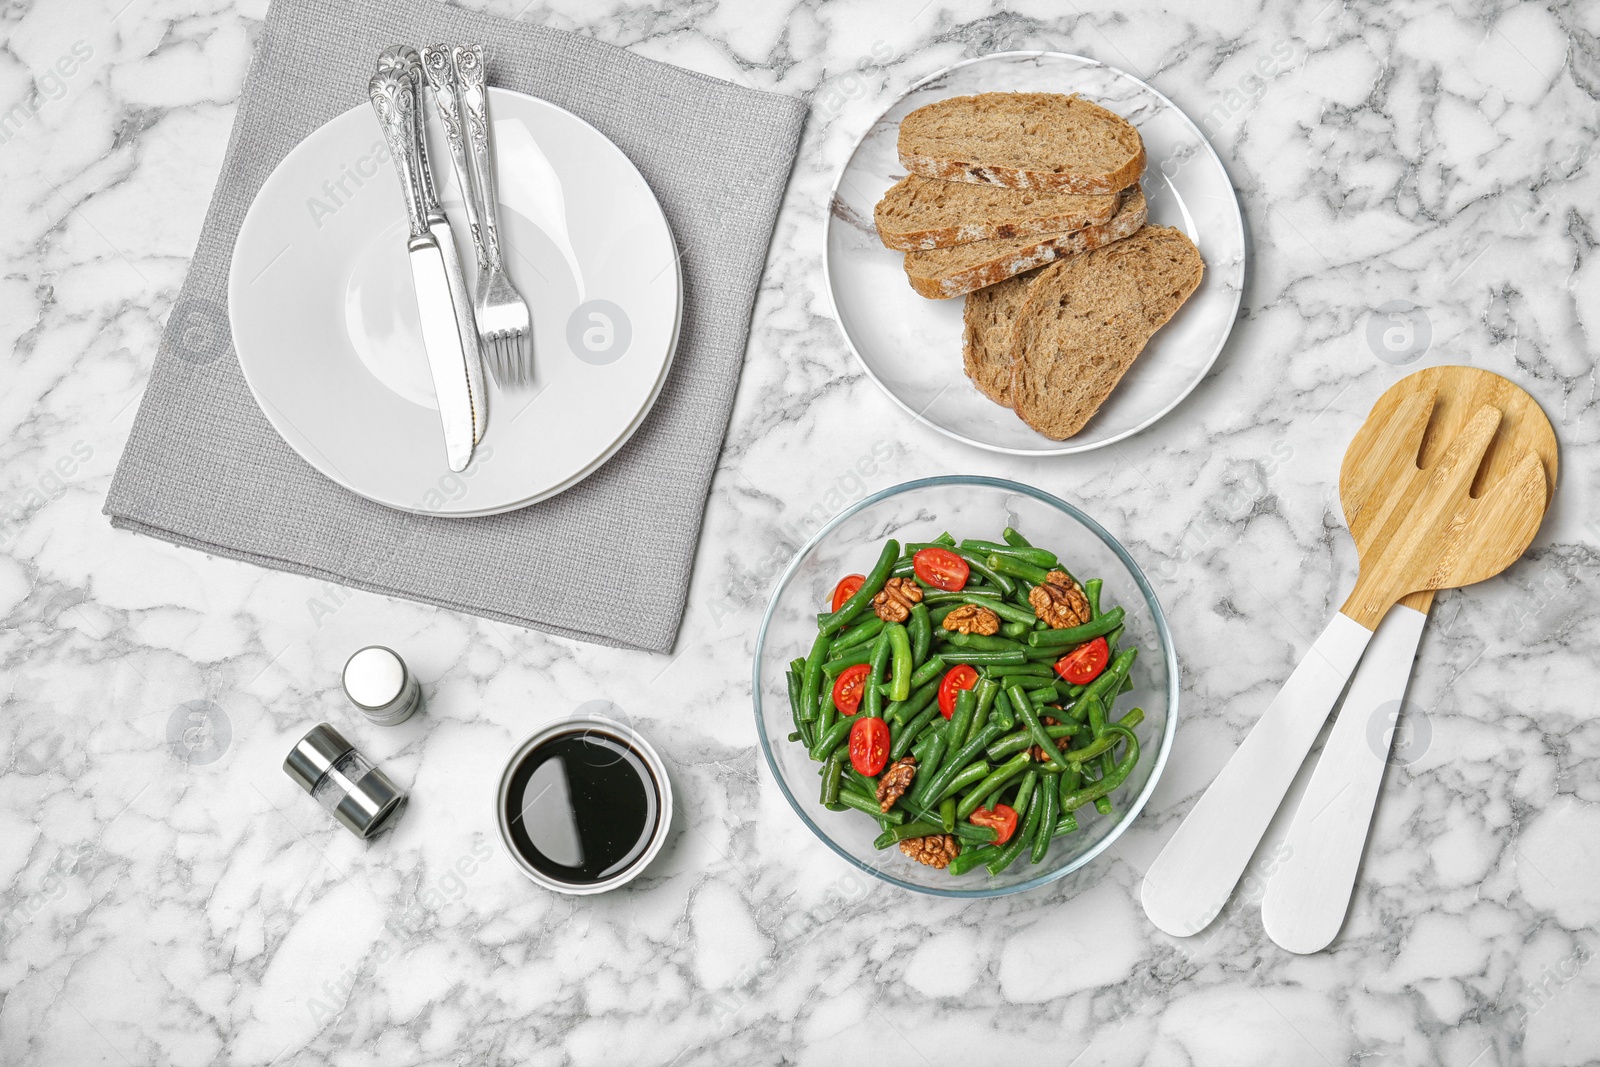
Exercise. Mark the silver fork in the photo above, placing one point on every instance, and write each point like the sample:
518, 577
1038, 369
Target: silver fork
456, 74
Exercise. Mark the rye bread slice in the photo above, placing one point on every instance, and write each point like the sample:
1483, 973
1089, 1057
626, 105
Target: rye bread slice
1086, 320
941, 273
1045, 141
987, 322
920, 213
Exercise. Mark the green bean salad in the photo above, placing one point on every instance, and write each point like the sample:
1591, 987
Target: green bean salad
963, 695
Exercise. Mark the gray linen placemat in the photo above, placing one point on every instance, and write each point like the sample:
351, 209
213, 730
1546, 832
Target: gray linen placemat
607, 560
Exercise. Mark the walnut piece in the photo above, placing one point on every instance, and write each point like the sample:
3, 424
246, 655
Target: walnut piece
972, 619
936, 850
895, 781
1059, 601
896, 599
1062, 743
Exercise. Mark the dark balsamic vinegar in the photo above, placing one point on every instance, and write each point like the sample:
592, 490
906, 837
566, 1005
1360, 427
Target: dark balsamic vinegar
582, 807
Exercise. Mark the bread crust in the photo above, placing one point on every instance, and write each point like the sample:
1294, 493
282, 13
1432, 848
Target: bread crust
930, 277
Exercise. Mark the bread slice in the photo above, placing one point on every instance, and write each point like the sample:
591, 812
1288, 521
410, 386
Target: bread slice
1086, 320
945, 272
987, 322
1044, 141
921, 213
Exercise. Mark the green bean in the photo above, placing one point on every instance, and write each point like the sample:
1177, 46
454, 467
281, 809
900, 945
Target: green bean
1048, 694
852, 799
928, 671
1019, 841
872, 696
982, 597
1014, 630
997, 777
1102, 745
982, 659
1102, 805
923, 745
859, 634
1098, 789
1031, 670
796, 709
1110, 681
1025, 791
971, 859
926, 770
794, 735
1016, 568
961, 719
1066, 824
921, 630
852, 657
830, 783
833, 622
900, 651
947, 814
1077, 635
1013, 743
1091, 591
1014, 538
971, 772
1114, 636
908, 735
1030, 718
944, 540
904, 832
980, 566
1132, 719
1038, 557
813, 678
829, 739
985, 691
903, 568
1003, 713
978, 834
984, 643
1047, 825
921, 696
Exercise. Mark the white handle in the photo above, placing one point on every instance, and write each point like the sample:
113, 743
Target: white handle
1309, 893
1190, 881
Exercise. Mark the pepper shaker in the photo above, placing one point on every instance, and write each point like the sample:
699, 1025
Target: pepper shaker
378, 682
347, 785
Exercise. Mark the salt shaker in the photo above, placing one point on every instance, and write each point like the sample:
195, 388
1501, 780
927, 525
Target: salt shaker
378, 682
343, 781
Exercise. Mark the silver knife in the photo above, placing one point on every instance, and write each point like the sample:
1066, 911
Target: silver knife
395, 101
404, 58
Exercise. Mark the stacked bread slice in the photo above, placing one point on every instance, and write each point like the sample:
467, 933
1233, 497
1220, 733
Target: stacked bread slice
1029, 205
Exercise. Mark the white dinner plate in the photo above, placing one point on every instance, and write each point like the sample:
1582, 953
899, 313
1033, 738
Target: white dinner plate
324, 315
911, 346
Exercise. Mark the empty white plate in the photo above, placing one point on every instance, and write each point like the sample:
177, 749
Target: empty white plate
911, 346
324, 315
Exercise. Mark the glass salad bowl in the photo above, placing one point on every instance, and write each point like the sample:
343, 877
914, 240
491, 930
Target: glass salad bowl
977, 508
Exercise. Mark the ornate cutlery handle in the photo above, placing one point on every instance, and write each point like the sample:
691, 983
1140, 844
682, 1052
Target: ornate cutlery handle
395, 102
441, 74
404, 58
468, 60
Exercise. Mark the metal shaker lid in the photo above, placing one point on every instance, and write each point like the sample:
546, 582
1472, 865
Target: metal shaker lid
314, 755
374, 677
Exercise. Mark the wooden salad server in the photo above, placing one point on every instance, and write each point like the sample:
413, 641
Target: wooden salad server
1309, 893
1425, 531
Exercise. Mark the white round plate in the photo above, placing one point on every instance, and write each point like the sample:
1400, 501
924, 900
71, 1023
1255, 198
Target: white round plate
911, 346
324, 314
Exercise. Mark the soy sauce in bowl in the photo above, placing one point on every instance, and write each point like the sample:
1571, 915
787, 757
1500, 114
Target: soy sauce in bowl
583, 805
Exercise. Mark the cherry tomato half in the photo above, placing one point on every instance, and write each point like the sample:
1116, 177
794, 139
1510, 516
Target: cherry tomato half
941, 568
848, 688
1003, 818
1083, 664
869, 746
847, 588
961, 676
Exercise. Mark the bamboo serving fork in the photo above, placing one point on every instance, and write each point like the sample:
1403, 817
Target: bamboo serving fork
1423, 531
1309, 893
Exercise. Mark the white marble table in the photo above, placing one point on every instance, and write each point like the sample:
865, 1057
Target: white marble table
181, 904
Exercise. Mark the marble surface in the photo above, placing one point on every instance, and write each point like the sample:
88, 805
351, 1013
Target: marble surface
167, 898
